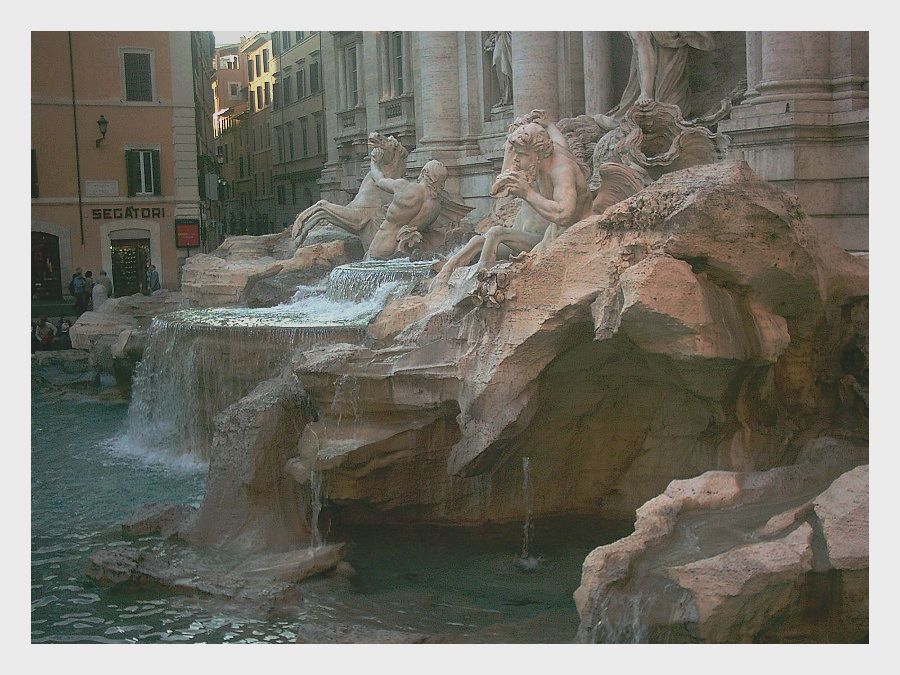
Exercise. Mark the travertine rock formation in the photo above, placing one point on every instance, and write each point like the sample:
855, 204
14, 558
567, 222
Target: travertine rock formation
779, 555
230, 274
115, 334
698, 325
250, 503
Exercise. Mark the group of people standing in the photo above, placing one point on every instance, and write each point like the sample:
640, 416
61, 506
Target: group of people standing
90, 293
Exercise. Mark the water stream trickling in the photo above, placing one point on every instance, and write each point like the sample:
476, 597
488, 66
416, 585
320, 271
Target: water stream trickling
526, 560
316, 496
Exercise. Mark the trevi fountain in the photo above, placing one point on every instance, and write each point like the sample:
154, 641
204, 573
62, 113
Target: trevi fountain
613, 390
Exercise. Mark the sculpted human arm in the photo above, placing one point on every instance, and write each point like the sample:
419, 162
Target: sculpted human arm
387, 184
562, 209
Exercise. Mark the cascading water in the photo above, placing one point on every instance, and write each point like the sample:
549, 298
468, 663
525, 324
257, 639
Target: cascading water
526, 561
316, 496
360, 280
199, 361
346, 399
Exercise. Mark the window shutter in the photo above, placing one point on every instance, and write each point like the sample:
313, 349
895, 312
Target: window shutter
34, 176
157, 182
132, 171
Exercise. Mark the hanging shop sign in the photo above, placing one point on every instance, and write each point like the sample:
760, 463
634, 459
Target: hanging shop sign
187, 233
120, 212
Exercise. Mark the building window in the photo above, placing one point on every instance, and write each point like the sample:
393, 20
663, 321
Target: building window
320, 134
34, 180
249, 67
286, 90
265, 60
286, 39
276, 90
351, 83
142, 167
280, 143
259, 98
234, 90
299, 35
290, 141
258, 66
281, 195
397, 62
267, 98
304, 136
276, 45
313, 77
138, 76
301, 82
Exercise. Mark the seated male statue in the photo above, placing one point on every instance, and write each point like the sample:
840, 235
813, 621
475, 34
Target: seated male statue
539, 168
413, 209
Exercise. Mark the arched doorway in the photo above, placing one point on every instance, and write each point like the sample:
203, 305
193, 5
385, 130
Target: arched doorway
127, 248
46, 274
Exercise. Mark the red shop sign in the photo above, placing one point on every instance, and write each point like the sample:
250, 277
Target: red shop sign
187, 234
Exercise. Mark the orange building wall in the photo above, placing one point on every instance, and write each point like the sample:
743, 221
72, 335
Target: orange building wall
99, 90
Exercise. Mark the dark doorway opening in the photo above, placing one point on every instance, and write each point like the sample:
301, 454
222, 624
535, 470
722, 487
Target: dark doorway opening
46, 277
130, 259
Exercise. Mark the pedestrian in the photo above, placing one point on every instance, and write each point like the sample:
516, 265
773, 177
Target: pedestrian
72, 282
65, 339
107, 282
45, 332
152, 279
89, 288
78, 290
98, 296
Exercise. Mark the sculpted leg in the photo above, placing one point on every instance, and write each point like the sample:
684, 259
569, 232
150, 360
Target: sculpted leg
516, 240
347, 219
463, 257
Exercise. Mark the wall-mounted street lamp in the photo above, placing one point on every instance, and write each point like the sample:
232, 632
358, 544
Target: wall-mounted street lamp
102, 124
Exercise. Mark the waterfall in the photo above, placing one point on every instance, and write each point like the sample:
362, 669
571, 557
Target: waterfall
315, 490
526, 561
359, 281
346, 399
199, 361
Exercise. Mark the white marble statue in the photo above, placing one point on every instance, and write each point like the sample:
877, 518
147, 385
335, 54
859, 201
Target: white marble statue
415, 207
363, 215
658, 70
499, 43
539, 168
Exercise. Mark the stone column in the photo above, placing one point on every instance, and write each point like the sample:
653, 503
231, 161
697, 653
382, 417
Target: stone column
754, 62
794, 65
598, 93
807, 127
535, 72
439, 72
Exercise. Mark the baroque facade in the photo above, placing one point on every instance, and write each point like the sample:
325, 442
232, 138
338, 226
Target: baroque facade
799, 104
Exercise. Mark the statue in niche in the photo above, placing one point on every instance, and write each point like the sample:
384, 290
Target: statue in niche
551, 181
413, 210
363, 215
658, 70
499, 43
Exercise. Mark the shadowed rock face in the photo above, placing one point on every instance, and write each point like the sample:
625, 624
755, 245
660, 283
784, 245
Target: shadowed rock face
698, 325
773, 556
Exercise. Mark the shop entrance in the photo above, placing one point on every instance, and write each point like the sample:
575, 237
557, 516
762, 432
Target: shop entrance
130, 259
46, 277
